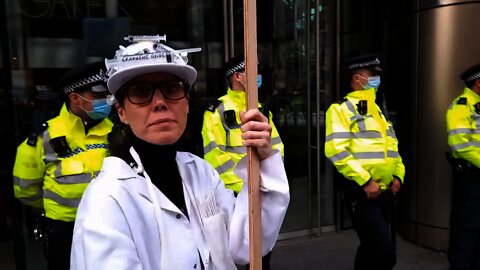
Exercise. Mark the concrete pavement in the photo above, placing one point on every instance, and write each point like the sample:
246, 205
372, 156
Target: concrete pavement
332, 251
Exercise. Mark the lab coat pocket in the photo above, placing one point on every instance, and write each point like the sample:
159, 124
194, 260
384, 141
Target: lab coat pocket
215, 232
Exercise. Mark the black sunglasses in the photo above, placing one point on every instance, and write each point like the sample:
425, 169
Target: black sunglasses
141, 93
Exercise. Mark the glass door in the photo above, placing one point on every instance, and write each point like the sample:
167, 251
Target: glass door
296, 55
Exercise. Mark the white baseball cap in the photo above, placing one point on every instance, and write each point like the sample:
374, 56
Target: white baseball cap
147, 55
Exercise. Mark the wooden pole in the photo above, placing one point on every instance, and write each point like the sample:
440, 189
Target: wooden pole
251, 62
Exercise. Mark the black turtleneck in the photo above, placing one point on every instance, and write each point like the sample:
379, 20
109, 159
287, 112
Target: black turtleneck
160, 164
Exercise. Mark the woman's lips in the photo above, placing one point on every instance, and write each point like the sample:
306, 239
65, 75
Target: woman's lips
162, 121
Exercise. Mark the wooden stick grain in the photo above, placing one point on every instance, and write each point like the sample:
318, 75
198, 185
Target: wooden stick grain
254, 200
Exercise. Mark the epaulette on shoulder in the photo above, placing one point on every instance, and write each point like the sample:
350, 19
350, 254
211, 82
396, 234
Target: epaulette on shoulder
340, 101
33, 136
462, 101
213, 105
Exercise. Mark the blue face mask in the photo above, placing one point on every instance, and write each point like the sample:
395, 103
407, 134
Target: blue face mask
259, 80
373, 82
101, 108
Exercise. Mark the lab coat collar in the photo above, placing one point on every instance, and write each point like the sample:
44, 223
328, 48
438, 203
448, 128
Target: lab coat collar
122, 171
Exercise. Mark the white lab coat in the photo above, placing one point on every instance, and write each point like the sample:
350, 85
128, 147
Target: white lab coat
117, 227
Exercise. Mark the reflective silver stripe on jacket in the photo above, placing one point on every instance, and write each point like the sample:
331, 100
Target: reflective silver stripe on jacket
367, 135
461, 146
48, 194
393, 154
230, 149
225, 166
74, 179
338, 135
391, 133
351, 107
368, 155
233, 149
236, 149
209, 147
356, 117
276, 140
26, 183
339, 156
27, 200
477, 120
460, 131
356, 135
78, 178
50, 155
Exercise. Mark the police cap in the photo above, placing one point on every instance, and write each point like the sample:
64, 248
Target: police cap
233, 65
367, 61
86, 77
471, 74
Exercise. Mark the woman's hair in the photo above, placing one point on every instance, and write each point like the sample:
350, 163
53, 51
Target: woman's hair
120, 139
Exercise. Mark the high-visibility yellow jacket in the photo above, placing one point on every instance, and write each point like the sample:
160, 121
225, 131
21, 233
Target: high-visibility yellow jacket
53, 169
360, 142
463, 127
222, 137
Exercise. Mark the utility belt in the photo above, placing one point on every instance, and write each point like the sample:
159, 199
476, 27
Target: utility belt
49, 230
41, 229
45, 227
461, 165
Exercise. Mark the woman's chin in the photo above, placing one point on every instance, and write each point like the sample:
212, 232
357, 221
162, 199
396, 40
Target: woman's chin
163, 140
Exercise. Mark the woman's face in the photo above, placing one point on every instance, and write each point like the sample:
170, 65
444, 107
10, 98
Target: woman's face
161, 121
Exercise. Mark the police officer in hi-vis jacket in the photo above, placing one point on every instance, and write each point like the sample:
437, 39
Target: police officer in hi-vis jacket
53, 167
463, 129
362, 145
222, 136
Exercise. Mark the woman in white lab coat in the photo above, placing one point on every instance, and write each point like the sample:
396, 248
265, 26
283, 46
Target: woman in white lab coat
153, 207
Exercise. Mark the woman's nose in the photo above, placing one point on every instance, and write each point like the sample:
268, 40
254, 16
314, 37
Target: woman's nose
158, 99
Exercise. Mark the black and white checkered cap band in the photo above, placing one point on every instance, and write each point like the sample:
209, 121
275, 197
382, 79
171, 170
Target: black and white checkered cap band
376, 61
234, 69
100, 77
474, 77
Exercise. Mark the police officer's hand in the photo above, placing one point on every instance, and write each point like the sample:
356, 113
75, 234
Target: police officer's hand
395, 185
372, 189
256, 132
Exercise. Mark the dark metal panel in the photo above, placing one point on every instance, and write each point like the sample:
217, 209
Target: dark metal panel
424, 4
406, 65
445, 49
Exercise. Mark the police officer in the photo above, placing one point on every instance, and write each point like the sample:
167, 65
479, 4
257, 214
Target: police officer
463, 128
362, 145
222, 141
222, 137
53, 167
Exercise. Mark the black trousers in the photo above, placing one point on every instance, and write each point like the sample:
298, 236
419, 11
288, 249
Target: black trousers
58, 244
370, 221
464, 245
